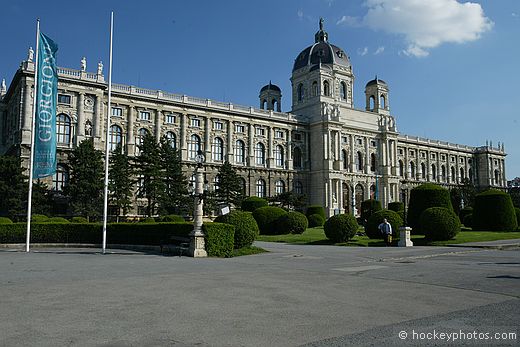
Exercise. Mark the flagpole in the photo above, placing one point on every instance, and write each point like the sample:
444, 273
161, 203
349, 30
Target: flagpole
33, 114
107, 139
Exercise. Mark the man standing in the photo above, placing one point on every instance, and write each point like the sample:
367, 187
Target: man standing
386, 229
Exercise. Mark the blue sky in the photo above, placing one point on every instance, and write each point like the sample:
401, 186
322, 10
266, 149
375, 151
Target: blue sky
452, 66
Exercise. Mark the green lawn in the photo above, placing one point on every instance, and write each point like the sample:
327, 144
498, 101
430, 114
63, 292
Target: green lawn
316, 236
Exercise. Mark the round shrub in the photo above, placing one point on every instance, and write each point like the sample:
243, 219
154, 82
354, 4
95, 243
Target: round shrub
315, 220
464, 212
396, 206
368, 207
79, 220
294, 223
172, 218
494, 211
246, 228
517, 212
5, 220
340, 228
252, 203
439, 224
425, 196
468, 220
147, 220
39, 218
57, 220
268, 219
316, 209
371, 228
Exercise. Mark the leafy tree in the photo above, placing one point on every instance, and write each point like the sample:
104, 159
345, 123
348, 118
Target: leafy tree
41, 198
513, 188
174, 198
86, 184
120, 183
148, 169
466, 192
229, 191
12, 186
290, 200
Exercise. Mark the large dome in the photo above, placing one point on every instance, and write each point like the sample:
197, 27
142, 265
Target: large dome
321, 52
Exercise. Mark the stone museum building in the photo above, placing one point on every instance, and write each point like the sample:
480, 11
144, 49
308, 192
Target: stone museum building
324, 147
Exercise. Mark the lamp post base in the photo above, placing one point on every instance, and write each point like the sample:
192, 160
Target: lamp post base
404, 237
197, 247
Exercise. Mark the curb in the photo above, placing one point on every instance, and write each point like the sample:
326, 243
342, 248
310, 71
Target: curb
503, 247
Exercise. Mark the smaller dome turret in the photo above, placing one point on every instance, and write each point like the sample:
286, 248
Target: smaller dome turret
271, 97
376, 92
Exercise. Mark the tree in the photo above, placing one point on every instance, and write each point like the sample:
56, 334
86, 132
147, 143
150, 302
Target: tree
86, 184
150, 174
466, 192
290, 200
513, 188
173, 199
120, 183
12, 186
229, 190
41, 198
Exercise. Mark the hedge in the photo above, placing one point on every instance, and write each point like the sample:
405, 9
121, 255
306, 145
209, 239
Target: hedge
494, 211
219, 239
315, 220
517, 212
246, 228
396, 206
468, 220
172, 218
5, 220
372, 226
293, 223
38, 218
78, 219
268, 219
316, 209
252, 203
425, 196
341, 227
368, 207
439, 224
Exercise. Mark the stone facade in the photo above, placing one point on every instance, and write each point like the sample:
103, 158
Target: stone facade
325, 148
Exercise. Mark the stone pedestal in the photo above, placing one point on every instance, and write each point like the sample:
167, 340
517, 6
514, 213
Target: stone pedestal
197, 246
404, 237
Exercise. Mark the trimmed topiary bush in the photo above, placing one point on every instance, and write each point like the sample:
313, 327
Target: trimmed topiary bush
172, 218
396, 206
219, 239
464, 212
268, 219
57, 220
315, 220
316, 209
78, 220
468, 220
5, 220
246, 228
439, 224
368, 207
341, 227
252, 203
425, 196
39, 218
147, 220
293, 223
494, 211
517, 212
371, 228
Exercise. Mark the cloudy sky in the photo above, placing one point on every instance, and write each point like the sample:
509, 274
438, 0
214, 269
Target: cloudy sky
452, 66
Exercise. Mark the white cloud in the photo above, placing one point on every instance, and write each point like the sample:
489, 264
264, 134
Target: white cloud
379, 50
514, 14
425, 24
300, 14
362, 51
350, 21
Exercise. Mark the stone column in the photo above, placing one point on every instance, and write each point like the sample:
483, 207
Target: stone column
251, 146
158, 115
130, 139
27, 106
229, 149
98, 117
353, 158
340, 196
197, 244
80, 125
207, 144
367, 155
289, 158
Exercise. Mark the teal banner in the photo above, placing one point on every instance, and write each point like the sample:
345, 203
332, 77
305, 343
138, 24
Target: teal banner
46, 98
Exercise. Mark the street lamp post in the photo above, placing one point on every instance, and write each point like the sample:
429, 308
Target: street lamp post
197, 244
404, 231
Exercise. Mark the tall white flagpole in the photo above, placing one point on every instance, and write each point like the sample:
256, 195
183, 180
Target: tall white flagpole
107, 139
33, 115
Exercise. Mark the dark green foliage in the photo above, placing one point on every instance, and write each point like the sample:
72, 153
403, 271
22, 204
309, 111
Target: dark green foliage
147, 220
293, 223
316, 209
464, 212
290, 200
246, 228
13, 186
517, 212
86, 184
173, 198
39, 218
425, 196
396, 206
315, 220
252, 203
368, 207
463, 193
78, 220
57, 220
494, 211
172, 218
120, 183
219, 239
5, 220
439, 224
468, 220
268, 219
371, 228
41, 199
145, 233
341, 227
229, 190
51, 233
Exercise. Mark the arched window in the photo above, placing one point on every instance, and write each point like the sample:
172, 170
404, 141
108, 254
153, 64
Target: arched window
343, 90
260, 188
434, 173
116, 137
497, 176
217, 149
412, 170
275, 104
172, 139
300, 92
344, 159
423, 171
240, 152
326, 88
382, 102
462, 174
279, 156
372, 162
298, 187
443, 172
360, 196
315, 91
470, 175
373, 192
372, 102
260, 154
194, 146
63, 129
279, 187
359, 162
297, 157
139, 139
401, 168
60, 178
453, 175
264, 104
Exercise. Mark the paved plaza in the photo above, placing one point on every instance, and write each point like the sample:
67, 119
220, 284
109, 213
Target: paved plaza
291, 296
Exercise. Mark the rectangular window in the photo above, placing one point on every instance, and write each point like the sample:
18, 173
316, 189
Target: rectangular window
279, 134
462, 160
239, 128
195, 122
297, 136
373, 143
423, 155
412, 153
170, 118
360, 142
218, 125
260, 131
144, 115
433, 155
443, 157
117, 112
344, 139
64, 99
400, 151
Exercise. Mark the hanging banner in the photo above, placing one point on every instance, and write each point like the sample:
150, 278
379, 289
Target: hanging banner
46, 98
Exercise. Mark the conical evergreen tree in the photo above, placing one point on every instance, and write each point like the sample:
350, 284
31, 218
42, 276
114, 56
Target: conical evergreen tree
173, 199
229, 190
120, 183
13, 187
